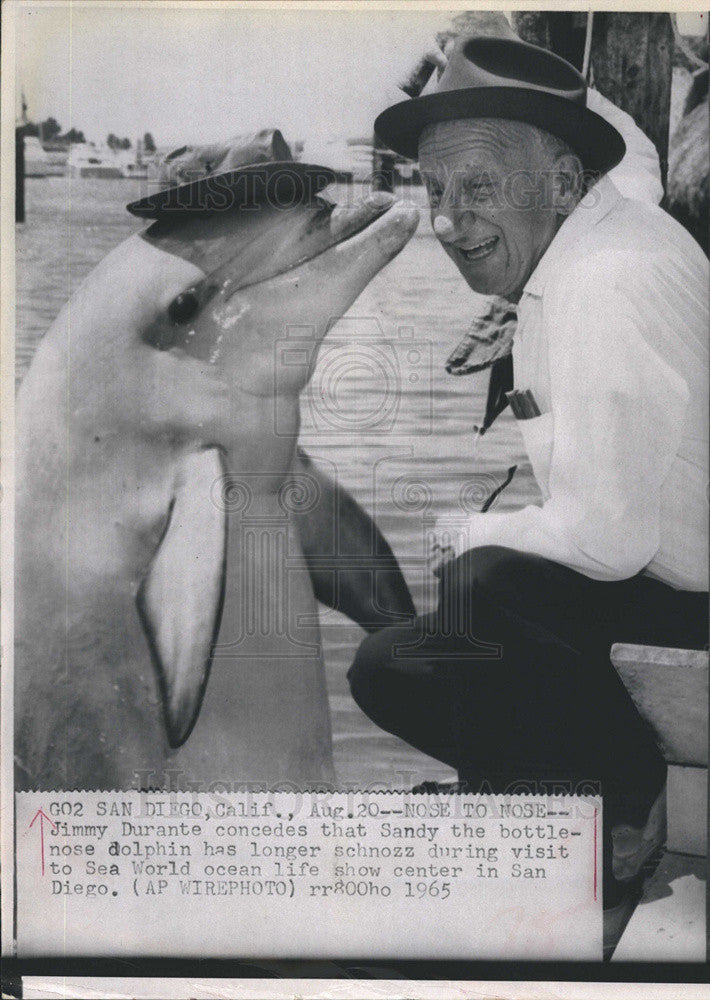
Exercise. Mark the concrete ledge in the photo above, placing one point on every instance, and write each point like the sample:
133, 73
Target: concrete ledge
687, 810
670, 689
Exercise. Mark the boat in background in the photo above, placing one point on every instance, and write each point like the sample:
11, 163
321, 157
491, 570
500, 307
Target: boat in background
141, 165
133, 169
86, 159
36, 160
57, 157
333, 153
353, 158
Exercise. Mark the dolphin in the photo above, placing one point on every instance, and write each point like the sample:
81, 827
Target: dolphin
166, 520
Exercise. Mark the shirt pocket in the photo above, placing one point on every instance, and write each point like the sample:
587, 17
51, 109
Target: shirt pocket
538, 439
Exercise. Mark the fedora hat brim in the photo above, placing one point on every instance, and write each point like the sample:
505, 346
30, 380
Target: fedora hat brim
598, 144
282, 183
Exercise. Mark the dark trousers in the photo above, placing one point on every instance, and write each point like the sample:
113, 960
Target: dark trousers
510, 680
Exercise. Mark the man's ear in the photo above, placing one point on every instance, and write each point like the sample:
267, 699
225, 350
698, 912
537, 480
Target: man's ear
568, 183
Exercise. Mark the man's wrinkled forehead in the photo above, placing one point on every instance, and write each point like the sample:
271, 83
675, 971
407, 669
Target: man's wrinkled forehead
478, 143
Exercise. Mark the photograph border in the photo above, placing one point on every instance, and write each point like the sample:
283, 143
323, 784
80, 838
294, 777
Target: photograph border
529, 979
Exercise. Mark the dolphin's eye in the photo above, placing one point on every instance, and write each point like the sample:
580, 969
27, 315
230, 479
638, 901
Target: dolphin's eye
183, 308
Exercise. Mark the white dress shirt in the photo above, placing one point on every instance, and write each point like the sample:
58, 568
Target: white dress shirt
612, 340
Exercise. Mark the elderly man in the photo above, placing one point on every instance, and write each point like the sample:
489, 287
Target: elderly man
510, 681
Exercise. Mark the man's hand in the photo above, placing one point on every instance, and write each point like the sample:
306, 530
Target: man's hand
434, 58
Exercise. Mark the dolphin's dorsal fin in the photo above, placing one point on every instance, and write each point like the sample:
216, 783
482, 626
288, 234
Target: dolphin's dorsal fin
352, 567
180, 598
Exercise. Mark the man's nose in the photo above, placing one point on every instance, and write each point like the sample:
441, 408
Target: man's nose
444, 228
450, 226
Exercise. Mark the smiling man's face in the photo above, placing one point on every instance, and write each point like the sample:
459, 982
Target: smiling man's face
493, 199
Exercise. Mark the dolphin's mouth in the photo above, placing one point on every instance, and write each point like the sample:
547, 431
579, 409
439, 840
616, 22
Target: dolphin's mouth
344, 224
237, 250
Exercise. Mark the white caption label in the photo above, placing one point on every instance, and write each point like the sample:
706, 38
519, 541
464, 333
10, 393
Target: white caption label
309, 874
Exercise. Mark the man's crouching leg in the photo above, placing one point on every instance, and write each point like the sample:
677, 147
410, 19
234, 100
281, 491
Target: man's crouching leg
415, 681
403, 694
510, 681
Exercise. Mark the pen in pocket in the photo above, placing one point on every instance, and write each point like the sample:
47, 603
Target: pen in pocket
522, 403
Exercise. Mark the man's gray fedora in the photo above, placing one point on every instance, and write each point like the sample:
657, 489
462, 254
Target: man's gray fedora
506, 78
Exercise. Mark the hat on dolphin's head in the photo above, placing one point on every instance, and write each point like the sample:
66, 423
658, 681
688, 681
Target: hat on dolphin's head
245, 172
507, 78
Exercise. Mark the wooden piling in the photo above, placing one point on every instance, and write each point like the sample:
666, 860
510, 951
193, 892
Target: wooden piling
19, 175
631, 62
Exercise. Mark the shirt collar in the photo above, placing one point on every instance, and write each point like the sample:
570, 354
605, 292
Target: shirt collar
597, 203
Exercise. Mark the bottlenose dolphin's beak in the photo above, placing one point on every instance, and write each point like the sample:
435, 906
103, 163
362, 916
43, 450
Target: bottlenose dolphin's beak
338, 223
347, 222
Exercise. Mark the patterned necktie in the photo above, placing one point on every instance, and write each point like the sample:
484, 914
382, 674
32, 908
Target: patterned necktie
488, 344
501, 382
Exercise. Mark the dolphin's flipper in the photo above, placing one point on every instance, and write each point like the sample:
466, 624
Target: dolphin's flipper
180, 599
352, 567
